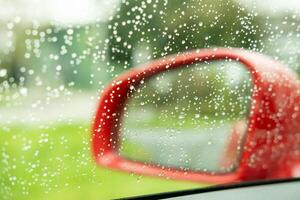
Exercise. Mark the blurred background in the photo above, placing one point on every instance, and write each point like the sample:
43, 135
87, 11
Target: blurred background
56, 56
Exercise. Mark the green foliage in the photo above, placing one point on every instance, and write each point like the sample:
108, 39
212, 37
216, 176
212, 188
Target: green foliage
57, 56
167, 27
201, 89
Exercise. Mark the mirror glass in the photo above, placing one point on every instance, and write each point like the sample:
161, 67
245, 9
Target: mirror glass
192, 118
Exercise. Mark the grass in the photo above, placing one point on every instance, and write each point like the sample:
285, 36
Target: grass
189, 121
54, 162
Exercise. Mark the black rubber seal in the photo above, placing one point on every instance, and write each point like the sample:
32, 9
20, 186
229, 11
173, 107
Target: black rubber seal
165, 195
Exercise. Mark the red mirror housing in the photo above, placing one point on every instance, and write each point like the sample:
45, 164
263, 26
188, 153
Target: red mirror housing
271, 147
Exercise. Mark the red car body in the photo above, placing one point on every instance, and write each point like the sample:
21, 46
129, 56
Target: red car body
271, 146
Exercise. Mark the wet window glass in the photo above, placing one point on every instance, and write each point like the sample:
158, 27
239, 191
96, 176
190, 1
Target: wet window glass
119, 98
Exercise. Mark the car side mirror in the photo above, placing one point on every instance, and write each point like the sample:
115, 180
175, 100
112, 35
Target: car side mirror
211, 115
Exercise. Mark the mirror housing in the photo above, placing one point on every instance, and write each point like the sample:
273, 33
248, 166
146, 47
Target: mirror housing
272, 139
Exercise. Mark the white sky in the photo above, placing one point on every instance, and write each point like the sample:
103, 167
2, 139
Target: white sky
85, 11
60, 11
273, 6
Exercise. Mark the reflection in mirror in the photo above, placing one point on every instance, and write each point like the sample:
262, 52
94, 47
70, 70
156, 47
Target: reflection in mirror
192, 118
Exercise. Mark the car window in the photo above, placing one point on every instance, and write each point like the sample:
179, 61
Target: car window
194, 125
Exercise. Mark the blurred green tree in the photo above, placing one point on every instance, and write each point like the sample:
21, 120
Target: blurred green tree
166, 27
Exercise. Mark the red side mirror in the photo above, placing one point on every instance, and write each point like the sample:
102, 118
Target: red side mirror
271, 147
